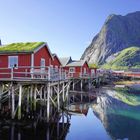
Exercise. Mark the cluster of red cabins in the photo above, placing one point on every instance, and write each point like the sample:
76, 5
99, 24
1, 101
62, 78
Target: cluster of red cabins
41, 63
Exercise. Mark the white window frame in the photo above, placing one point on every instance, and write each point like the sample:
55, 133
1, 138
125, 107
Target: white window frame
12, 61
72, 70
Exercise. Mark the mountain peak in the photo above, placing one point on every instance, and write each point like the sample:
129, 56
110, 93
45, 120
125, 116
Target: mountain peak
118, 32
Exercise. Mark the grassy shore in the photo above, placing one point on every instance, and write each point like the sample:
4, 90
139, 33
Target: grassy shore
126, 82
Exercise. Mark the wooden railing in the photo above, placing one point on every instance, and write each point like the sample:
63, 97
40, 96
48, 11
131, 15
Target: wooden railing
27, 72
37, 72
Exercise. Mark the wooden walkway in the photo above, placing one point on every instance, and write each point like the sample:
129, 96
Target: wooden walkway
32, 84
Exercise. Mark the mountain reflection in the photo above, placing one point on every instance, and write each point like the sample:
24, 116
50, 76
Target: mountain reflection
119, 111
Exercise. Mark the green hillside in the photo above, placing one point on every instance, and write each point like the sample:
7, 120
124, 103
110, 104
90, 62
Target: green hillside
127, 58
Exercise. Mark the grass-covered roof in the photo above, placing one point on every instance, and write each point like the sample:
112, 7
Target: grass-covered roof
20, 47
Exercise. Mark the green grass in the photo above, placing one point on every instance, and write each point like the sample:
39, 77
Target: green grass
21, 47
128, 57
129, 95
92, 65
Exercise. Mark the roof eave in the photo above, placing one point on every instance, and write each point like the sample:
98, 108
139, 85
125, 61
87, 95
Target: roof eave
24, 52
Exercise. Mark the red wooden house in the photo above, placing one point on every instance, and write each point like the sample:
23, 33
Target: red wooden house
93, 72
75, 68
23, 58
56, 62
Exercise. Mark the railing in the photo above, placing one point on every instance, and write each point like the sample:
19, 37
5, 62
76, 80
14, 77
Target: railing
27, 72
39, 73
80, 75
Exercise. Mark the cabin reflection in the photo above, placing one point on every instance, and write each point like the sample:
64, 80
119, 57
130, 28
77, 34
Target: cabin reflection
37, 129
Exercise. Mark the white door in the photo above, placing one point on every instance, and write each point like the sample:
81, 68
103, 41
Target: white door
42, 64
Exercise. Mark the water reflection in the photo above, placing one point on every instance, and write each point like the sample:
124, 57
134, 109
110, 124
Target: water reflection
113, 115
119, 111
24, 130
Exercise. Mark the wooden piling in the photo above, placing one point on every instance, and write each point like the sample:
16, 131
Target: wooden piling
13, 102
19, 101
48, 102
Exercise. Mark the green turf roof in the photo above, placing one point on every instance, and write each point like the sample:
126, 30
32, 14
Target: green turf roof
20, 47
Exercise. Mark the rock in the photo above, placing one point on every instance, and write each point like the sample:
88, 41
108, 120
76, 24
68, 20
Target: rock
118, 32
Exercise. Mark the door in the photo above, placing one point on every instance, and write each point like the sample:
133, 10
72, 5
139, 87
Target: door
42, 64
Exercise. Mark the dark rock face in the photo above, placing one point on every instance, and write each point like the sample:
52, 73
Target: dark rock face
118, 32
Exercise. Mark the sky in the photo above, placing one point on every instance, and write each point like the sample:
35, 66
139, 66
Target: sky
68, 26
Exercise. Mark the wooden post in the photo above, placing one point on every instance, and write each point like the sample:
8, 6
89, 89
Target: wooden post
13, 102
48, 133
34, 103
48, 102
1, 90
73, 85
19, 102
31, 95
63, 92
81, 85
12, 132
19, 136
58, 130
58, 97
12, 73
60, 77
45, 92
81, 97
41, 92
28, 100
9, 94
49, 73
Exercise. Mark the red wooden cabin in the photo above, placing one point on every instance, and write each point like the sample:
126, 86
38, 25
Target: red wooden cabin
93, 72
75, 68
56, 62
23, 58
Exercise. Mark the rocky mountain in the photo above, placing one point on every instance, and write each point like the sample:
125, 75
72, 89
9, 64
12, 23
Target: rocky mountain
118, 32
125, 59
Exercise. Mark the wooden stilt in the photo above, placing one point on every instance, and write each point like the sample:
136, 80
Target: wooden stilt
28, 100
48, 133
19, 102
48, 102
13, 102
58, 97
12, 132
81, 85
31, 95
1, 91
9, 94
63, 92
34, 102
58, 130
41, 93
45, 93
73, 85
81, 97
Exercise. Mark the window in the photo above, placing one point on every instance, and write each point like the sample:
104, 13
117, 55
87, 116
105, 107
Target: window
71, 70
12, 61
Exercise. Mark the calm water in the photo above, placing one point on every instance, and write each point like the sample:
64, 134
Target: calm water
114, 115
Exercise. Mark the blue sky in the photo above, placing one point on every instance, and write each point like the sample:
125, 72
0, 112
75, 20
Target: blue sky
68, 26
